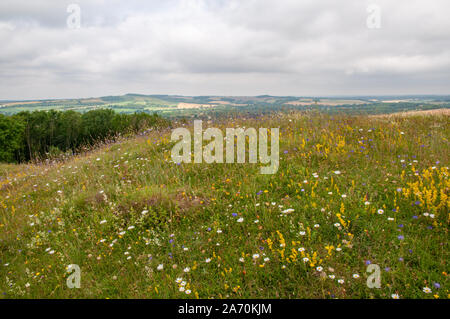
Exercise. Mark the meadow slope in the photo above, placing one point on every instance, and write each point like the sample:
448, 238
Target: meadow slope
350, 191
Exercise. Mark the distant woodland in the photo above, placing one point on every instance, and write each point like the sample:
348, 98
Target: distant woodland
36, 135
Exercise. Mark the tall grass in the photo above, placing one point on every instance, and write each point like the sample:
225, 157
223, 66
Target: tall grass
363, 190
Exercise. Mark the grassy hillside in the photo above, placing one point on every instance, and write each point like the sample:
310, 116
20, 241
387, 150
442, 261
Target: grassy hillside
363, 190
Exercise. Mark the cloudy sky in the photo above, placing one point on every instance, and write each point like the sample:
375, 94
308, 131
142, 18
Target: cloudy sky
223, 47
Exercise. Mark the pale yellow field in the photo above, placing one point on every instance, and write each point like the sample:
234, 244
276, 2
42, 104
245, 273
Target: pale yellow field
19, 103
193, 105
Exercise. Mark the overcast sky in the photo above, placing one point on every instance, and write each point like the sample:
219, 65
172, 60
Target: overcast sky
223, 47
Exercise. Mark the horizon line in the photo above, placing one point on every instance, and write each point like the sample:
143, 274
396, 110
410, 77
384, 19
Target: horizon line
219, 95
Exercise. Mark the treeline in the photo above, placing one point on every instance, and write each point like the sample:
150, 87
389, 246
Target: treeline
36, 135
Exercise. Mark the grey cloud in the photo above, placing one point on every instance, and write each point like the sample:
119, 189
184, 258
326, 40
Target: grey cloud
233, 47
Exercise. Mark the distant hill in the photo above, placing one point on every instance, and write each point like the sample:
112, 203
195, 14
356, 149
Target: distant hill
174, 105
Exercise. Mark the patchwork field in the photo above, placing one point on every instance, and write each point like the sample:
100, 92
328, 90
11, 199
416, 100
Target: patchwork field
351, 191
177, 105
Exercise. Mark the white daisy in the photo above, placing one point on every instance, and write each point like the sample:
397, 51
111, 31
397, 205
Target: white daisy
427, 290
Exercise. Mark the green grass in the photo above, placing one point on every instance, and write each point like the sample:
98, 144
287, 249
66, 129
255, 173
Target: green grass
50, 216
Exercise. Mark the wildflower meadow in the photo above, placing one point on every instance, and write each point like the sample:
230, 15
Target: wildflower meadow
351, 194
